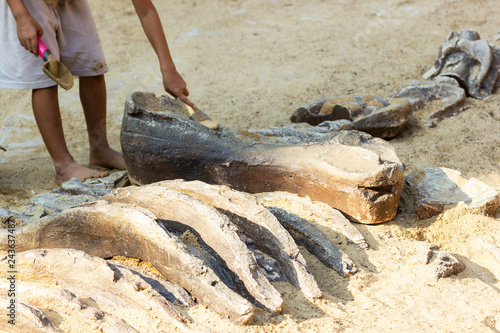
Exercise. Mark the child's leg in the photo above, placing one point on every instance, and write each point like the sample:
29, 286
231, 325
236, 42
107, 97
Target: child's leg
93, 98
48, 118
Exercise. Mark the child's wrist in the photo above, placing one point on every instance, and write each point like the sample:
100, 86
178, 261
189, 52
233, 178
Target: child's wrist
168, 70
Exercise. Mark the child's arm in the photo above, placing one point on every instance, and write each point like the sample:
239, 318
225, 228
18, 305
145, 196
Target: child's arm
27, 27
172, 81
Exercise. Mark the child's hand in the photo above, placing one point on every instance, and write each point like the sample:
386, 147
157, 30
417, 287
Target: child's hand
174, 84
27, 30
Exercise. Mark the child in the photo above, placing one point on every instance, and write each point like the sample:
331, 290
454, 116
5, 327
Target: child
69, 31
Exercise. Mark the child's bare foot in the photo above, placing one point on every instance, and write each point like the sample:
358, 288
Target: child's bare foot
107, 158
75, 170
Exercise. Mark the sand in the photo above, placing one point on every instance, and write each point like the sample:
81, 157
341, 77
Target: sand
250, 64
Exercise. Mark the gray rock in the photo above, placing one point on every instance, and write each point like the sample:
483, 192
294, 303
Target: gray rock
438, 187
441, 263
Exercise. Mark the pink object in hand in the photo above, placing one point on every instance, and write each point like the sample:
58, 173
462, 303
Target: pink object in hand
43, 50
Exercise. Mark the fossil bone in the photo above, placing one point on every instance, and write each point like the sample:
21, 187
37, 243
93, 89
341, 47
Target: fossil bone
382, 117
328, 216
257, 223
351, 171
75, 273
420, 93
214, 228
465, 65
471, 61
95, 228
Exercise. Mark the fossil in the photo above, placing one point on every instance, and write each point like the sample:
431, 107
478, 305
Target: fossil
466, 65
222, 269
351, 171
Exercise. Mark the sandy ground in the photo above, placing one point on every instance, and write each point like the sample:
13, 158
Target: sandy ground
250, 64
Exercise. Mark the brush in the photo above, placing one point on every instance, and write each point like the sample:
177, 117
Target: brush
198, 116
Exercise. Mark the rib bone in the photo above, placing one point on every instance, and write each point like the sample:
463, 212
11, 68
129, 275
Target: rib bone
215, 229
257, 223
327, 215
108, 229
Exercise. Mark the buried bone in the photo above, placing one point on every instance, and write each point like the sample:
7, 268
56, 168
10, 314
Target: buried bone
328, 216
314, 241
95, 228
351, 171
465, 65
420, 93
217, 230
78, 293
382, 117
256, 222
471, 61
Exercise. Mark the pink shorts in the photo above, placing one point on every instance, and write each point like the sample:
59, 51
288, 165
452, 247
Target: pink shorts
70, 34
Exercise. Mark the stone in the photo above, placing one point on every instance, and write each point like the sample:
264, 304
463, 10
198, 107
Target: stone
441, 263
438, 187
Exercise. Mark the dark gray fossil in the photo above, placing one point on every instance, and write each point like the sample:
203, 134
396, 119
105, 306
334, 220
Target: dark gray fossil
466, 65
351, 171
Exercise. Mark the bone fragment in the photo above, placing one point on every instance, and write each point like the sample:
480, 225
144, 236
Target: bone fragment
351, 171
108, 229
307, 235
383, 117
471, 61
327, 215
420, 93
215, 229
256, 222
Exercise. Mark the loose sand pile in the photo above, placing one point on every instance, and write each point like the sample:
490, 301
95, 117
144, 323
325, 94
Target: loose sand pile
250, 64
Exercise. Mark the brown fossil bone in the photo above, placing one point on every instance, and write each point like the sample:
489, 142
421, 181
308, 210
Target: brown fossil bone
383, 117
114, 229
78, 296
420, 93
256, 222
351, 171
215, 229
468, 59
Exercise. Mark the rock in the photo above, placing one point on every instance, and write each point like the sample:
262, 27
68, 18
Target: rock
442, 264
438, 187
